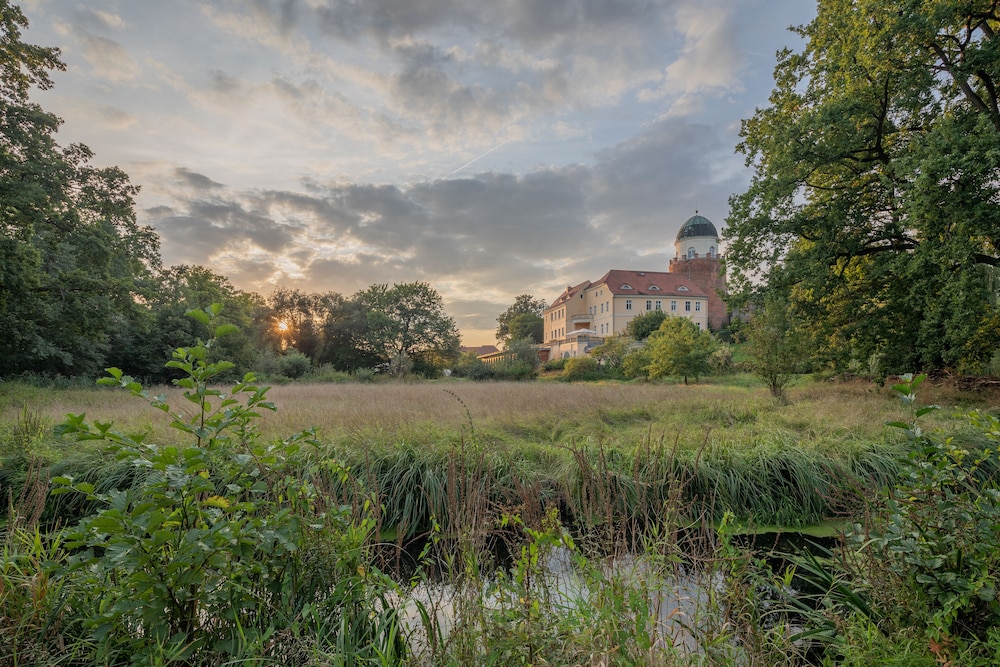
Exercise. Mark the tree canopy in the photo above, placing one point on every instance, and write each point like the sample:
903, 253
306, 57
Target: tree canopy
680, 349
408, 319
873, 205
523, 319
71, 252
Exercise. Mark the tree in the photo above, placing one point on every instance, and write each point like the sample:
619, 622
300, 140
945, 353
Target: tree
525, 326
524, 304
774, 345
172, 293
876, 175
408, 319
640, 326
71, 253
680, 349
612, 352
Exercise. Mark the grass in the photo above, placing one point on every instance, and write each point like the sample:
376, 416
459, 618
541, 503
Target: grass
625, 466
600, 451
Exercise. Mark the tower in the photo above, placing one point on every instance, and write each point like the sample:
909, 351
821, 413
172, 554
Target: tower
697, 257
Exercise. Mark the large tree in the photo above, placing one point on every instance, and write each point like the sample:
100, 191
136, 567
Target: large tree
873, 206
408, 320
71, 252
522, 319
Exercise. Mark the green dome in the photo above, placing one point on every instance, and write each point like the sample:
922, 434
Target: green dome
697, 225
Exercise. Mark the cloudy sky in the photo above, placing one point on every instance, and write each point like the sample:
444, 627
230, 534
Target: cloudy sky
488, 147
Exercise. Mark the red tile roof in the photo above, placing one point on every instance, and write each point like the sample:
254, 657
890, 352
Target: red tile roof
649, 283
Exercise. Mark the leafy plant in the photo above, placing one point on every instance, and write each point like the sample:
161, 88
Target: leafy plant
230, 547
942, 531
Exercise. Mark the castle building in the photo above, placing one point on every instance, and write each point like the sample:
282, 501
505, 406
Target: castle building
692, 287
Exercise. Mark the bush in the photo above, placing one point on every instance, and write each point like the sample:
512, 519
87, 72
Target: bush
636, 364
293, 364
518, 369
470, 366
364, 375
582, 369
327, 373
555, 364
225, 550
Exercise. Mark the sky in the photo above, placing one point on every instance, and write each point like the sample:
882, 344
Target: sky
488, 148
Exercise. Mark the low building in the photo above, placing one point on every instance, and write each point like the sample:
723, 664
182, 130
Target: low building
693, 287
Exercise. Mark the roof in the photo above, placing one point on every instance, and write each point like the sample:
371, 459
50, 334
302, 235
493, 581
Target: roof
695, 226
569, 293
649, 283
479, 349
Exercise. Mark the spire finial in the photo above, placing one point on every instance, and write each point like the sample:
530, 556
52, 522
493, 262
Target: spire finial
696, 211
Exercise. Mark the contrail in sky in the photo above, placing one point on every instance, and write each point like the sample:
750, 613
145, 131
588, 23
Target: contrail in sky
477, 159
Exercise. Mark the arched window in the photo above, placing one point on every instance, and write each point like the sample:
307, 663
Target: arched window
690, 253
711, 251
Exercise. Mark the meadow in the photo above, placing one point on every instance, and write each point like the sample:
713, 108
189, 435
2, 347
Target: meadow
452, 522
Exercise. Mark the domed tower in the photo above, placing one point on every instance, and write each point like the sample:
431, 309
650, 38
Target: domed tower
697, 256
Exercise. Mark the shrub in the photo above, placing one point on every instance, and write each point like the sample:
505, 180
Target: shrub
554, 364
364, 375
227, 548
517, 369
636, 364
293, 364
579, 369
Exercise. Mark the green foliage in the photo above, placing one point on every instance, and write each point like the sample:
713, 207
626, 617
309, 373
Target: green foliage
872, 206
523, 319
164, 327
942, 531
641, 326
472, 367
582, 369
71, 253
636, 363
680, 349
612, 352
520, 361
293, 364
228, 547
555, 364
408, 319
774, 345
526, 326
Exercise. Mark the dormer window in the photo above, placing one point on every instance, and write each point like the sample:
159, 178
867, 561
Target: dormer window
626, 286
654, 288
683, 288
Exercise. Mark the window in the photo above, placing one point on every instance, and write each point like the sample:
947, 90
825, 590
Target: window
628, 304
687, 306
697, 306
659, 305
690, 253
654, 288
626, 286
649, 305
683, 288
711, 251
673, 306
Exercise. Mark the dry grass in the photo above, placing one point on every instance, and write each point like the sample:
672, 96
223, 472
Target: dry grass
389, 413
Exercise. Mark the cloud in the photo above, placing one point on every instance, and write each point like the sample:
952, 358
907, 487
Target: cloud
108, 59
